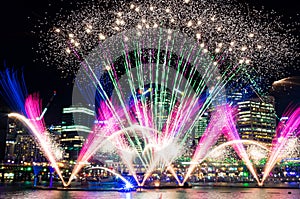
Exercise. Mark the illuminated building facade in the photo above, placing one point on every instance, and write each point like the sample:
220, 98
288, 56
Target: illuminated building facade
3, 134
20, 145
159, 100
234, 97
200, 126
256, 119
27, 150
76, 124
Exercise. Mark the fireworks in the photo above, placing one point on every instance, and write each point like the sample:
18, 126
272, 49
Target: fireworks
292, 148
255, 150
220, 154
222, 122
13, 91
44, 143
284, 143
155, 68
256, 153
244, 35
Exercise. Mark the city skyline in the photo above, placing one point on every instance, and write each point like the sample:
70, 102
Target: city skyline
131, 95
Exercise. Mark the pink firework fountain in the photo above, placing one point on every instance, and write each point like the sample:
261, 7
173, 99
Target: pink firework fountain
284, 131
36, 126
221, 122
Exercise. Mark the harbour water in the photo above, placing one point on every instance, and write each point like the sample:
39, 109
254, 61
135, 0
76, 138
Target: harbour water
192, 193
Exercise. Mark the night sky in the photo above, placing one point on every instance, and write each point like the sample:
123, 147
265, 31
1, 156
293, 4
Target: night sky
18, 18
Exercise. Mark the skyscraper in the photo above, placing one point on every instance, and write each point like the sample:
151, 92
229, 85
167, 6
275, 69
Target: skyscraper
256, 119
20, 145
200, 126
26, 149
76, 125
3, 133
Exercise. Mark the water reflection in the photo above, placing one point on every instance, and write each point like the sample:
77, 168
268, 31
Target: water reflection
194, 193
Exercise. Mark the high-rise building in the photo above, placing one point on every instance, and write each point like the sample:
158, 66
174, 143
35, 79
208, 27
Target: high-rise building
27, 149
154, 106
3, 134
76, 125
13, 129
200, 126
234, 97
256, 119
20, 145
